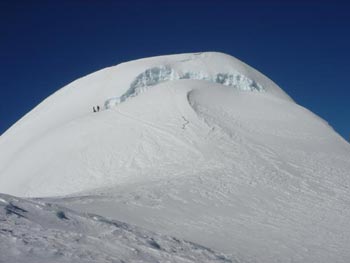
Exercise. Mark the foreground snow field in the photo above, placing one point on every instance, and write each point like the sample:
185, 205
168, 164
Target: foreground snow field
33, 231
197, 146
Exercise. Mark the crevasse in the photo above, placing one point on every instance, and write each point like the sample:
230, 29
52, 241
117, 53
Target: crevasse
156, 75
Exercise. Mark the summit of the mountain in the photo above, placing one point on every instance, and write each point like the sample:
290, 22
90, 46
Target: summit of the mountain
197, 146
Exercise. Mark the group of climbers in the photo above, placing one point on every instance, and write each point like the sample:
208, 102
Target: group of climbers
97, 109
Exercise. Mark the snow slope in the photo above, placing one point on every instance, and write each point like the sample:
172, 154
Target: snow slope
33, 231
62, 131
197, 146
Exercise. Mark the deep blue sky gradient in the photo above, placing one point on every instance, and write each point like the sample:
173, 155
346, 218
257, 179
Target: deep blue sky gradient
304, 46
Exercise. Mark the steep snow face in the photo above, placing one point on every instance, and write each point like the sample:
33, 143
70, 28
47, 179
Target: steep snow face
197, 146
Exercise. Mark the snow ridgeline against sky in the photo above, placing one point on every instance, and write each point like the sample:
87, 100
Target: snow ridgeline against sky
192, 154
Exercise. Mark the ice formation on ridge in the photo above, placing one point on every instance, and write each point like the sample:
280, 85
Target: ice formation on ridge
156, 75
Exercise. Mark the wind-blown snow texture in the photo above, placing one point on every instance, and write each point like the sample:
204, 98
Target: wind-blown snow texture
197, 146
33, 231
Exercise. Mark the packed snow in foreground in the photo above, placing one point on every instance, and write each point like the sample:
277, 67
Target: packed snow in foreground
200, 147
33, 231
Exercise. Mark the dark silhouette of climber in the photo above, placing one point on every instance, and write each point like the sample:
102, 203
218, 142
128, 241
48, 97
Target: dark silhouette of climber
98, 108
93, 108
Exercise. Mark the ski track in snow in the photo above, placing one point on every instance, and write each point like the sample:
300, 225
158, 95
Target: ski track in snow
159, 129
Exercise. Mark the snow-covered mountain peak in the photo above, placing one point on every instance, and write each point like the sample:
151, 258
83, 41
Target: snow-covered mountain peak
212, 67
110, 86
197, 146
63, 147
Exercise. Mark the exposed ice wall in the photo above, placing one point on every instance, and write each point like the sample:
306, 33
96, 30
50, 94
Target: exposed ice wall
153, 76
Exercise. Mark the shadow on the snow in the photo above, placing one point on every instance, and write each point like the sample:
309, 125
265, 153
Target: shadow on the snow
12, 209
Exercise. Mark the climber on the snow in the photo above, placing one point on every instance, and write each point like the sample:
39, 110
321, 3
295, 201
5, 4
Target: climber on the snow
97, 109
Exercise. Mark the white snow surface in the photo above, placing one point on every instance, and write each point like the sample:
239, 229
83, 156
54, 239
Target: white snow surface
35, 232
197, 146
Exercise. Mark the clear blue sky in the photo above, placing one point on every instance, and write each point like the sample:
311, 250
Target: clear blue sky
304, 46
